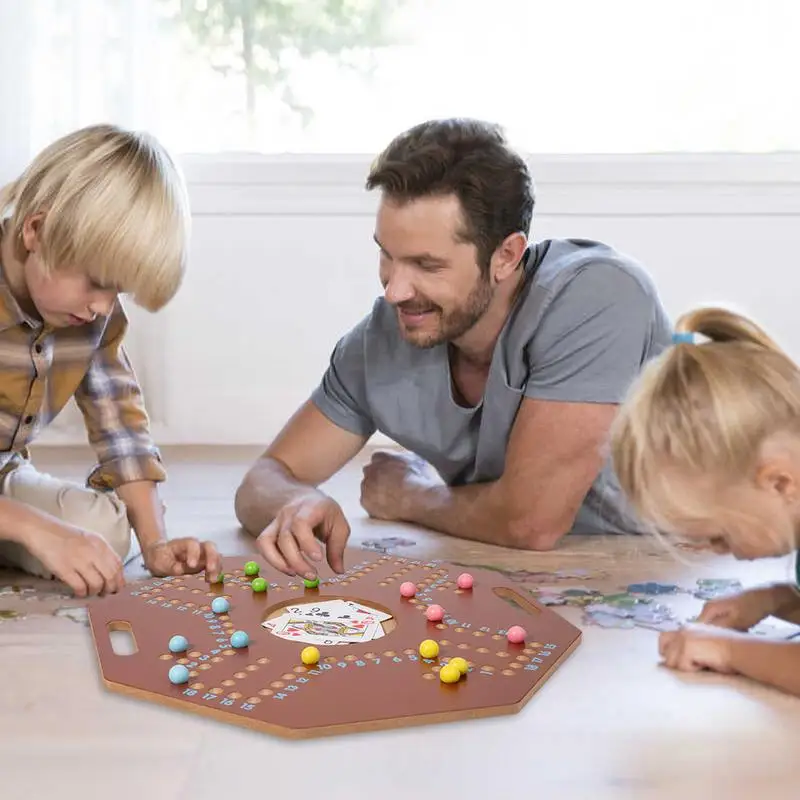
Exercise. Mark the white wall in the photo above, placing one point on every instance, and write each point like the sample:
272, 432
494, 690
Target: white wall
283, 263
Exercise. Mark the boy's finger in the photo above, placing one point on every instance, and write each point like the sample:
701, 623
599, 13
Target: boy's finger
191, 552
94, 578
213, 559
75, 582
111, 570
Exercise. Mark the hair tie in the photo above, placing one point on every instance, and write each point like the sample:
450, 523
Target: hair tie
684, 337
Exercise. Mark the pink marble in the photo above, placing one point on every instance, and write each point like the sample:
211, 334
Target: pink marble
465, 581
516, 634
434, 613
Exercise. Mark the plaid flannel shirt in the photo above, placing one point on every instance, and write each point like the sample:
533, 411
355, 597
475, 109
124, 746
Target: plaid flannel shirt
42, 368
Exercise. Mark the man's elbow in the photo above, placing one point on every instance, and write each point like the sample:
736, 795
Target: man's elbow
526, 533
243, 503
246, 500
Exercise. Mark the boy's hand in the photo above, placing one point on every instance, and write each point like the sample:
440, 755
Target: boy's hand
698, 647
81, 559
741, 611
182, 557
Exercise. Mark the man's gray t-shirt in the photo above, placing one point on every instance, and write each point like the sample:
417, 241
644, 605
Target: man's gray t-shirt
585, 322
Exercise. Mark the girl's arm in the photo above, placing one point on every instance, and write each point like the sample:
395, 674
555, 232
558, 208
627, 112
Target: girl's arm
699, 647
775, 663
787, 603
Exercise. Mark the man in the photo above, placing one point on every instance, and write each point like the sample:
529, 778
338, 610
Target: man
498, 362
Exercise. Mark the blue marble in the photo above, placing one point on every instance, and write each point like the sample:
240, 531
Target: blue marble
177, 644
240, 639
178, 674
220, 605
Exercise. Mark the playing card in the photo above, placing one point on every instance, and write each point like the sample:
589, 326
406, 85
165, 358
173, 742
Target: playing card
324, 631
378, 616
328, 622
281, 621
327, 609
330, 609
271, 623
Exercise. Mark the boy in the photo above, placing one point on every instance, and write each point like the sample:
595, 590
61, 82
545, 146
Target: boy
100, 212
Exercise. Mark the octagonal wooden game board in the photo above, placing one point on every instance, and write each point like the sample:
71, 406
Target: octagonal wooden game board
383, 683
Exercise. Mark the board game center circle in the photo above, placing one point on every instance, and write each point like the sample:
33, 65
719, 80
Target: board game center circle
329, 622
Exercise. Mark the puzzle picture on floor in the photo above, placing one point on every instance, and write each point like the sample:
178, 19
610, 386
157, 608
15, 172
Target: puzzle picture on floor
390, 643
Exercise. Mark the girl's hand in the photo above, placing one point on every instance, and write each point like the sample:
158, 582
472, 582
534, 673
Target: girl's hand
741, 611
698, 647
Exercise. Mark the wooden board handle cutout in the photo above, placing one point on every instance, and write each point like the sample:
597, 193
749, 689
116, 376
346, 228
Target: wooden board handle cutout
123, 642
525, 603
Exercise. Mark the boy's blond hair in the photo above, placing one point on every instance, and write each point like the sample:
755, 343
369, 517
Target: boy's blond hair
702, 409
114, 206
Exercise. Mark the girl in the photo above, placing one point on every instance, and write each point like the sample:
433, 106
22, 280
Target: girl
707, 445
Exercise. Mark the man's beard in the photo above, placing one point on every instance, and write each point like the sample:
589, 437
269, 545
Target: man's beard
455, 323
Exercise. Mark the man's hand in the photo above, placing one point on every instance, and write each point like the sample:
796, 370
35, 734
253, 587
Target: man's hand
389, 483
530, 506
698, 647
289, 543
81, 559
182, 557
741, 611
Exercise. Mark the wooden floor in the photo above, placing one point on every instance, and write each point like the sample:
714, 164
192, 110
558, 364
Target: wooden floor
610, 725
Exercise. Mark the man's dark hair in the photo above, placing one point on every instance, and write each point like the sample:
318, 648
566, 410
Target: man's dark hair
470, 159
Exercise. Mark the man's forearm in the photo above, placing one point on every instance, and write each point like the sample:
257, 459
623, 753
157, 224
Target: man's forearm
267, 487
479, 512
775, 663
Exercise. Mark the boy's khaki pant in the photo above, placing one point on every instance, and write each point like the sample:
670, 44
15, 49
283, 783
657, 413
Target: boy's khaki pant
102, 513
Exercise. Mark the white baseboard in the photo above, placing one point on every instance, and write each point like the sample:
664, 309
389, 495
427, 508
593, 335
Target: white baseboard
75, 436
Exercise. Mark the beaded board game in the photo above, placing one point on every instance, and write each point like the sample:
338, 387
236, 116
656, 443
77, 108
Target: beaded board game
449, 646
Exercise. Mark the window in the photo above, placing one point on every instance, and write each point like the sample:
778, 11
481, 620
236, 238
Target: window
272, 76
